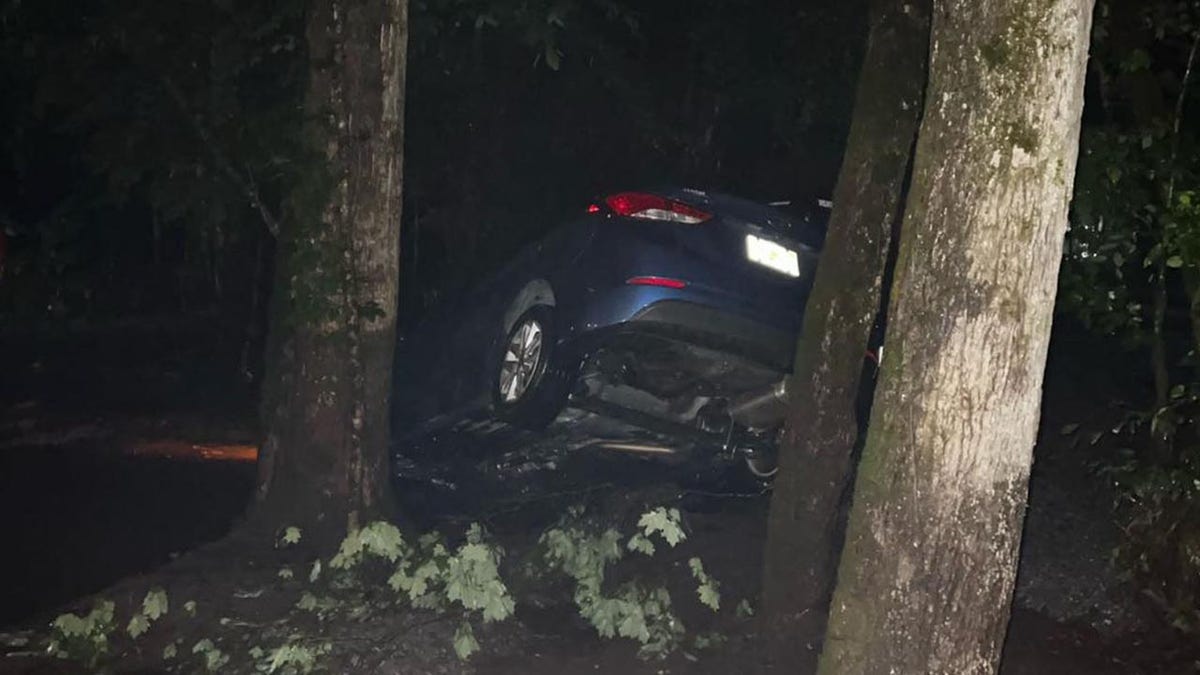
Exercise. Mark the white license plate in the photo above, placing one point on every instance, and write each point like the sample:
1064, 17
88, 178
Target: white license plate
769, 254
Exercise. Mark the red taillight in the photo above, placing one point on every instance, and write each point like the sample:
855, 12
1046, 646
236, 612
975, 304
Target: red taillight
655, 281
654, 207
593, 208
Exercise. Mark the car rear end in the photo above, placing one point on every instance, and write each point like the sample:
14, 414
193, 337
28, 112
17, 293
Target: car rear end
700, 268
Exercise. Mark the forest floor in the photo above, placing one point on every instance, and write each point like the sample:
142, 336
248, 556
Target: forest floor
125, 461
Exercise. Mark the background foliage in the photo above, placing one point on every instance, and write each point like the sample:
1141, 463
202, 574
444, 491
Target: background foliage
1132, 271
152, 141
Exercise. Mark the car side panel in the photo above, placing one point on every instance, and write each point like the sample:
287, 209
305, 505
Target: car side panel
480, 332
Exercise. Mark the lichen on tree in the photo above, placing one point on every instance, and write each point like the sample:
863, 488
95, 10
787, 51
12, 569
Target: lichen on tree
925, 580
816, 457
332, 334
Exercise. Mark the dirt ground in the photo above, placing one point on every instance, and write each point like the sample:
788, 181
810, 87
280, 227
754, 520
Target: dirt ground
124, 461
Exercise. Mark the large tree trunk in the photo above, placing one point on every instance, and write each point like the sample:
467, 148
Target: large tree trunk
333, 318
926, 577
817, 449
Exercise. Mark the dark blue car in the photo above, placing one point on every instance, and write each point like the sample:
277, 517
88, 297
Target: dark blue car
680, 304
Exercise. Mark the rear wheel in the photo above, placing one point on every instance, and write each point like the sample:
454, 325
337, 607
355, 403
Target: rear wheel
531, 383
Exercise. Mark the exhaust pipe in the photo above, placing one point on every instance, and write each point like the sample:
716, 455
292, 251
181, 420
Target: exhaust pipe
763, 408
637, 448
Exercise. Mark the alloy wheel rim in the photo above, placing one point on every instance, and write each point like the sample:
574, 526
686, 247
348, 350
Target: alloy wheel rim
521, 356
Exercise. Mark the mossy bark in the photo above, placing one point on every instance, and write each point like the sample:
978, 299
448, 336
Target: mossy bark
323, 463
926, 576
821, 432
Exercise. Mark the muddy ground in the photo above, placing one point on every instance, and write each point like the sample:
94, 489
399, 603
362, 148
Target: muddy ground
123, 450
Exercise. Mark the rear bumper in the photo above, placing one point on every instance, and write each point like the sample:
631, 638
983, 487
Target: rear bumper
717, 329
677, 316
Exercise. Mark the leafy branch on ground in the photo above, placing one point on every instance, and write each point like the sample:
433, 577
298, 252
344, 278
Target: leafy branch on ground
584, 549
459, 582
83, 638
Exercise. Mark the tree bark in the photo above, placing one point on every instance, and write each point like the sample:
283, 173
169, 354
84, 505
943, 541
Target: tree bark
926, 578
323, 463
821, 432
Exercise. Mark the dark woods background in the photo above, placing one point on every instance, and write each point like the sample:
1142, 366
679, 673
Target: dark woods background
148, 147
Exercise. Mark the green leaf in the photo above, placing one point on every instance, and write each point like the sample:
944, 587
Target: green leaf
169, 652
709, 640
307, 602
214, 658
293, 658
553, 57
744, 610
155, 605
291, 536
634, 625
1175, 262
665, 522
70, 625
464, 641
640, 543
315, 572
709, 596
707, 588
84, 638
379, 539
190, 607
498, 605
138, 626
285, 573
603, 615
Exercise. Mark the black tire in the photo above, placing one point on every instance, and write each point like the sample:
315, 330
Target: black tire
550, 379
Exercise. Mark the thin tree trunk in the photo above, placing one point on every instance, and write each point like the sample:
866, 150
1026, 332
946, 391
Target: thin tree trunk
926, 578
817, 449
1191, 281
216, 250
1173, 174
204, 275
251, 329
156, 230
1193, 290
1158, 338
326, 394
